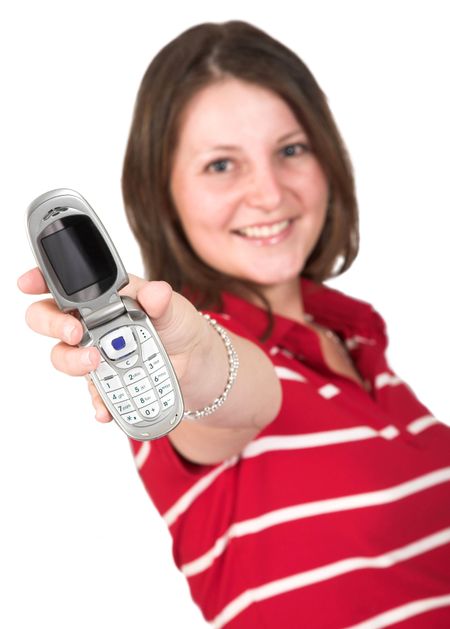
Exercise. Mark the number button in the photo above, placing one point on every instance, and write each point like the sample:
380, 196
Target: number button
168, 400
160, 375
132, 418
144, 399
140, 387
154, 363
164, 388
124, 407
111, 384
118, 396
150, 411
134, 375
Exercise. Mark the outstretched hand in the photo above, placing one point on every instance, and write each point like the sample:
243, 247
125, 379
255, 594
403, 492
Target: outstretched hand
174, 318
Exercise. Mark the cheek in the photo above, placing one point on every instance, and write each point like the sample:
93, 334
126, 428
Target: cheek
204, 224
318, 193
202, 213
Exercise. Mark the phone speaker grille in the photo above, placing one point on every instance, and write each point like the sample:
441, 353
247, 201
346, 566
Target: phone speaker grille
54, 212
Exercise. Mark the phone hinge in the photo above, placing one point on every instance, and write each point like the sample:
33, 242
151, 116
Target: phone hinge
103, 315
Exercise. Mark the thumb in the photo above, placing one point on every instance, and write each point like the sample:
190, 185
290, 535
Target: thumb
174, 317
134, 285
155, 298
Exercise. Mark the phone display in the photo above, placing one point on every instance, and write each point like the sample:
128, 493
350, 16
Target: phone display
78, 254
84, 273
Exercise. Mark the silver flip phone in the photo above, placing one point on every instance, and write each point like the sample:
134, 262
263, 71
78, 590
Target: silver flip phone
84, 272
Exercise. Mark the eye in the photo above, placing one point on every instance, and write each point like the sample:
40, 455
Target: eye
218, 166
293, 150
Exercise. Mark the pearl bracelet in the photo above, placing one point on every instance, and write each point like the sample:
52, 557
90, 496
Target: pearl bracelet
233, 364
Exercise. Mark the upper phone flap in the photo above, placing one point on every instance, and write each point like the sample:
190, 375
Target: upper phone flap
74, 252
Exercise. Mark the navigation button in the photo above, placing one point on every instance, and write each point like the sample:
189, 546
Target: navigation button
118, 343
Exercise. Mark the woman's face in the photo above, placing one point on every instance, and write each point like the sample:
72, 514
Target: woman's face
250, 195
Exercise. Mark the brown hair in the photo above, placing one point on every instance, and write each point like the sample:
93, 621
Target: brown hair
198, 57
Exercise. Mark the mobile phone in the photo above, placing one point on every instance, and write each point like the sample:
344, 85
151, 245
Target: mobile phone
84, 273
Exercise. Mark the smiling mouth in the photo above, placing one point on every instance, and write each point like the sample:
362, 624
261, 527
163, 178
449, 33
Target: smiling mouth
264, 231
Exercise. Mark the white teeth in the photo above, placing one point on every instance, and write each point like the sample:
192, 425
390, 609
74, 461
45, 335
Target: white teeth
264, 232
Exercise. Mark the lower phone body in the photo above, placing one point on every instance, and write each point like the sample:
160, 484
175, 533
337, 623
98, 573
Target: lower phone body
135, 378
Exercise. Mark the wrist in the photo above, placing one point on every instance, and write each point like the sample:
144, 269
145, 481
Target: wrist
211, 371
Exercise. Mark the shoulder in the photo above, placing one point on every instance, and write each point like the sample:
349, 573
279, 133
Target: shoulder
344, 312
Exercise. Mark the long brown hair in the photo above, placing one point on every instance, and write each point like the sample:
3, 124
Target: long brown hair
198, 57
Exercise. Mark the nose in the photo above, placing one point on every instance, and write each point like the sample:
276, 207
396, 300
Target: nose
264, 190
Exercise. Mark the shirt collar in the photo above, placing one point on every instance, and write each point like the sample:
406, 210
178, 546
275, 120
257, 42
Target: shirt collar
329, 307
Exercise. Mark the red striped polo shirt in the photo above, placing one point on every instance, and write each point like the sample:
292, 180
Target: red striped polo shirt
338, 513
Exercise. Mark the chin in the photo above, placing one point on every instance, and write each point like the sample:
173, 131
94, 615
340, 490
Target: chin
273, 278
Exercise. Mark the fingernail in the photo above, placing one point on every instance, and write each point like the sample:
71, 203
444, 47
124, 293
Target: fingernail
67, 331
20, 280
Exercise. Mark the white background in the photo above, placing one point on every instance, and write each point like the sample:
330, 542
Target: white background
81, 544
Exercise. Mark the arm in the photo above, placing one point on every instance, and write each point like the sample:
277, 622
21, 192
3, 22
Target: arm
200, 361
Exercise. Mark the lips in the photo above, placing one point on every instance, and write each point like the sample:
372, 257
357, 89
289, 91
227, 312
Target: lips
259, 232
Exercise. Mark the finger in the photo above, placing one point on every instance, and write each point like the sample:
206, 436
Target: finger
46, 318
32, 282
135, 284
75, 361
101, 412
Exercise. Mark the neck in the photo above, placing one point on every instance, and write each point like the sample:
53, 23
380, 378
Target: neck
286, 300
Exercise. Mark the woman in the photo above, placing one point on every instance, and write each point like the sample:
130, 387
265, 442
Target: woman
317, 492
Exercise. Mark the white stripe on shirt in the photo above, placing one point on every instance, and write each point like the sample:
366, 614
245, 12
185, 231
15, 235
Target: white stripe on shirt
269, 444
284, 373
311, 509
316, 439
329, 571
141, 456
398, 614
421, 424
185, 501
384, 379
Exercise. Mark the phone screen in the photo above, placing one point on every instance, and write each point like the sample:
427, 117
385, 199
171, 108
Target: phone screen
78, 254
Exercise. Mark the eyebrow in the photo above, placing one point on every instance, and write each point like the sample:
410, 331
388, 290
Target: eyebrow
291, 133
231, 147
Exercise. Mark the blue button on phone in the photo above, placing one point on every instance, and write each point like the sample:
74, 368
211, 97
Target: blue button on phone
118, 343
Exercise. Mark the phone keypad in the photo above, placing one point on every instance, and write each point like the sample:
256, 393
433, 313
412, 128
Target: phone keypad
142, 389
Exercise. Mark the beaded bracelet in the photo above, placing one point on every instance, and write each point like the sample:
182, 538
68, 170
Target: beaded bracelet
233, 364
